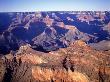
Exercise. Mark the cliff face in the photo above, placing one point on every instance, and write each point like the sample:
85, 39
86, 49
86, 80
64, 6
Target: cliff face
77, 63
2, 69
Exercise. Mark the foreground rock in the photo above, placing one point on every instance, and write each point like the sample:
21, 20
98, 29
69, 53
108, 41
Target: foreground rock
77, 63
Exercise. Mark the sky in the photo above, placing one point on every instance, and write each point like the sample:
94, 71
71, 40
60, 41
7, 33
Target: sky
54, 5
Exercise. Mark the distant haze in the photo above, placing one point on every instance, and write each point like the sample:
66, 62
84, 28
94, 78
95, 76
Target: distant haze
54, 5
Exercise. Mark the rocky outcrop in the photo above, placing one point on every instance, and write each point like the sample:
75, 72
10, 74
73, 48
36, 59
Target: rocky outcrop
75, 63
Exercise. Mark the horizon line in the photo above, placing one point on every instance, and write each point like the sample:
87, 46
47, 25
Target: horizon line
60, 11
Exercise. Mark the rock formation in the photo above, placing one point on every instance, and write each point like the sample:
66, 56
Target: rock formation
77, 63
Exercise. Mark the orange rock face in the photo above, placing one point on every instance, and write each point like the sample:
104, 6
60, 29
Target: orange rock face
77, 63
58, 75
